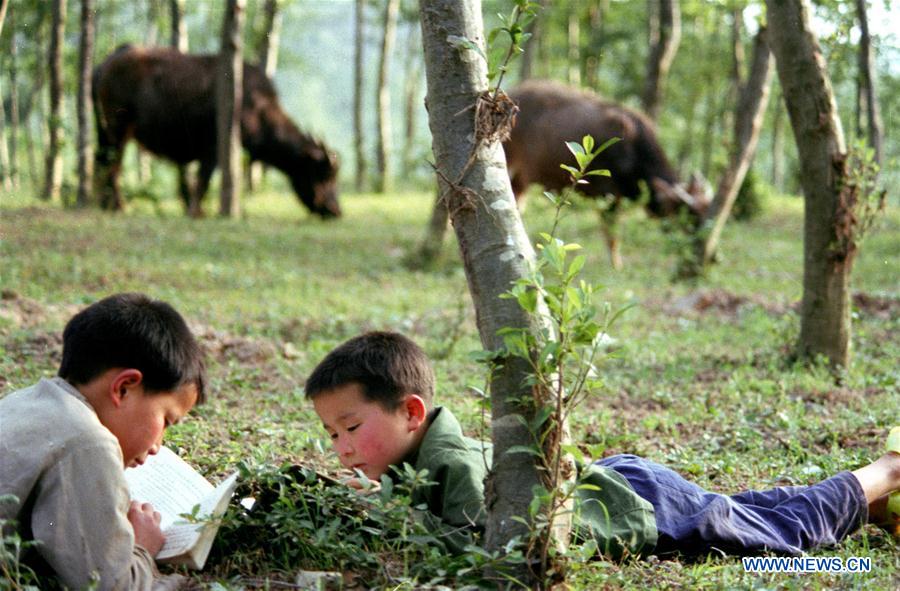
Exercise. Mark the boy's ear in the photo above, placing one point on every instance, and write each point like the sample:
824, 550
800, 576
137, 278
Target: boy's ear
416, 411
122, 382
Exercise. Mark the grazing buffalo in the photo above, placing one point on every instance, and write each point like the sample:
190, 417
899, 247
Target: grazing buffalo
551, 114
166, 100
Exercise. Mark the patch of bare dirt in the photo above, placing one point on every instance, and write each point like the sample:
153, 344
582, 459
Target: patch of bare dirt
23, 312
715, 301
883, 308
222, 346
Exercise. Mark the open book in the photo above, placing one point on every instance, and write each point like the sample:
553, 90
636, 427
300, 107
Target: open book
173, 487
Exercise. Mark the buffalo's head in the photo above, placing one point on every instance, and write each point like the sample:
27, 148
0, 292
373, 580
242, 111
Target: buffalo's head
668, 199
315, 181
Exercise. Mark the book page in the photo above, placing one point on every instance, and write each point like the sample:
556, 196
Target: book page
169, 483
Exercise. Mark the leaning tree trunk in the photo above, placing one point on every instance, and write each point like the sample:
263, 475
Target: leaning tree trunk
358, 141
179, 32
4, 5
494, 246
665, 34
268, 61
53, 165
748, 117
85, 51
228, 109
828, 240
867, 83
383, 94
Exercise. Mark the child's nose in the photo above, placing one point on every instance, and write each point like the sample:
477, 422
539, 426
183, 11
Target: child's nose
343, 446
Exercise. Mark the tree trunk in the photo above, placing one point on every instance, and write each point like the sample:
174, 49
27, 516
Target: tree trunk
828, 248
867, 83
228, 110
665, 34
179, 34
4, 5
778, 144
5, 166
14, 118
532, 46
383, 152
85, 65
574, 48
494, 246
53, 168
411, 102
749, 113
268, 62
151, 38
358, 63
596, 20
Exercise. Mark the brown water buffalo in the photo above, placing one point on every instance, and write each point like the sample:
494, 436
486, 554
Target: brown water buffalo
166, 100
551, 114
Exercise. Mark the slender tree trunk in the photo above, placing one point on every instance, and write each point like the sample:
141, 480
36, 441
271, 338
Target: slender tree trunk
53, 168
85, 65
494, 246
828, 241
574, 47
383, 108
4, 5
229, 97
14, 118
179, 32
748, 118
411, 102
5, 166
358, 64
665, 34
596, 20
730, 114
151, 38
268, 62
533, 45
867, 83
778, 144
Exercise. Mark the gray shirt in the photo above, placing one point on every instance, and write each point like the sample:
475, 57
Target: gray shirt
66, 471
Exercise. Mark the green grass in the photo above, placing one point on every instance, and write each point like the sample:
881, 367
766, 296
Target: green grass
710, 392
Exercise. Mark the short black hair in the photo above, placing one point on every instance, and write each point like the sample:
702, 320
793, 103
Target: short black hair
387, 365
130, 330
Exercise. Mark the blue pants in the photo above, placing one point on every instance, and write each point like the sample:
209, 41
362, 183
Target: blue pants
789, 520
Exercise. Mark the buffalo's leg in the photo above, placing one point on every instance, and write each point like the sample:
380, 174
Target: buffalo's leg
609, 226
184, 188
108, 165
207, 166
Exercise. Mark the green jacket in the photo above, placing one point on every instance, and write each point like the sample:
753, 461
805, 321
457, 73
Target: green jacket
614, 516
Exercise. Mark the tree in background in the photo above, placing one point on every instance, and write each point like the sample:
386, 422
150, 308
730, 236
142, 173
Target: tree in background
85, 66
4, 5
53, 168
269, 43
14, 118
359, 143
412, 78
866, 94
179, 32
750, 108
828, 231
229, 87
665, 34
384, 180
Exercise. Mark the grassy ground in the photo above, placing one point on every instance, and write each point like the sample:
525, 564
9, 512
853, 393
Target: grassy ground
701, 382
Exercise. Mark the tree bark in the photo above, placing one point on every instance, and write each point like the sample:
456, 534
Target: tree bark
53, 167
867, 83
14, 118
5, 166
494, 246
228, 112
778, 144
665, 34
85, 66
828, 248
4, 6
383, 103
749, 113
533, 45
268, 61
358, 64
574, 48
179, 32
596, 20
151, 38
410, 94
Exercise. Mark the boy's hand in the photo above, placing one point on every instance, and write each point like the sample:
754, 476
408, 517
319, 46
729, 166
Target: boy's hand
363, 486
145, 522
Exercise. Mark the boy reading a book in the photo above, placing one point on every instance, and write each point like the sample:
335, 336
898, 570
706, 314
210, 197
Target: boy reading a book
374, 397
130, 368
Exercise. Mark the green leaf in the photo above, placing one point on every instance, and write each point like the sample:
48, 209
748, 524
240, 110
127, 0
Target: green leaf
524, 449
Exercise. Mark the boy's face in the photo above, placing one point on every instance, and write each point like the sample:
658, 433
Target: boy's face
365, 435
139, 419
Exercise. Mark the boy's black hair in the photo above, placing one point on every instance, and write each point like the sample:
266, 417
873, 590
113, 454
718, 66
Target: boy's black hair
387, 365
130, 330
